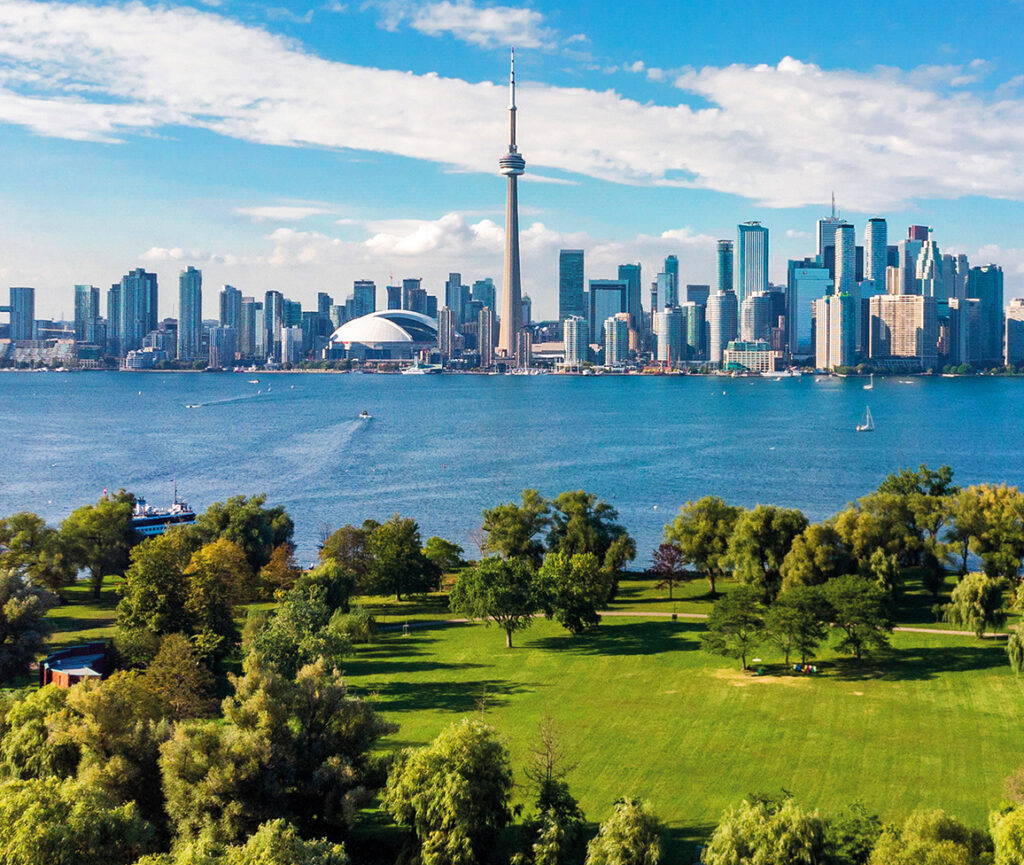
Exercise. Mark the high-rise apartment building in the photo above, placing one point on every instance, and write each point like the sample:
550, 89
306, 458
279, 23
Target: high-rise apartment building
22, 310
414, 296
570, 283
230, 307
527, 311
114, 319
876, 250
273, 318
672, 268
291, 345
986, 284
695, 326
576, 335
453, 295
87, 310
137, 313
668, 291
394, 293
324, 302
722, 315
446, 329
827, 234
1013, 339
616, 339
696, 294
486, 336
752, 259
607, 297
904, 326
756, 317
836, 331
223, 347
845, 259
364, 297
724, 259
247, 327
485, 293
630, 274
190, 313
806, 280
669, 336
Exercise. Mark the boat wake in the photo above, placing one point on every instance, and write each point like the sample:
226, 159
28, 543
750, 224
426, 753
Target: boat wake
225, 401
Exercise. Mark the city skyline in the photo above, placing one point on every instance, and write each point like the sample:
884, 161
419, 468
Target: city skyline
258, 202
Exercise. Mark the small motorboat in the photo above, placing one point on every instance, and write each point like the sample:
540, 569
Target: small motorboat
365, 415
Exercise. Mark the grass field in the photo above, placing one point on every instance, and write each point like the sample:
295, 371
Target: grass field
932, 723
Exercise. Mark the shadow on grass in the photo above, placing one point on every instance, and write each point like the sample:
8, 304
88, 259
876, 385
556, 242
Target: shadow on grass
387, 668
446, 696
635, 638
919, 663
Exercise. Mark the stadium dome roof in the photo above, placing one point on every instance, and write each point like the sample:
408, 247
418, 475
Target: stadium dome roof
388, 328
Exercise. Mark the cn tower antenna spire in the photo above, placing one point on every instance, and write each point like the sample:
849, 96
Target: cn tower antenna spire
512, 101
511, 165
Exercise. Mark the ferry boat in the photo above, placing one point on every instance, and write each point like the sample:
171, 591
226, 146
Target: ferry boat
149, 521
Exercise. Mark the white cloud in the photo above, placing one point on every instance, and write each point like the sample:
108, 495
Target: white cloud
782, 135
797, 234
280, 212
484, 26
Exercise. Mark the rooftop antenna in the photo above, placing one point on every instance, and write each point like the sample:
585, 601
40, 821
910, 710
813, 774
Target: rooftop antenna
833, 204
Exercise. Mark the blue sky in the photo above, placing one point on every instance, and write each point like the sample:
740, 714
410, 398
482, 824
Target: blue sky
301, 146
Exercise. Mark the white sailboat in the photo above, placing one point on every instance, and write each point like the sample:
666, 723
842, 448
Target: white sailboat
869, 422
871, 383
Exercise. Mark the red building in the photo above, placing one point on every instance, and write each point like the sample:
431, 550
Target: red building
70, 666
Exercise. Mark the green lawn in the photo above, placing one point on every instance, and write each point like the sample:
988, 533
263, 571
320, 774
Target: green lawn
933, 723
82, 619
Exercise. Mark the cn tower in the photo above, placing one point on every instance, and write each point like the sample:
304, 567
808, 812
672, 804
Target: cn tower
511, 165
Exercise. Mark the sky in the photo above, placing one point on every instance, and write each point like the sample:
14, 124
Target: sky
301, 146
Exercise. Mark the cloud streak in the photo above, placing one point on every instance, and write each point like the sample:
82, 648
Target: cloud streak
781, 135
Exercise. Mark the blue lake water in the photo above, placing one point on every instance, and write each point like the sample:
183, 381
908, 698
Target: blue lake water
442, 448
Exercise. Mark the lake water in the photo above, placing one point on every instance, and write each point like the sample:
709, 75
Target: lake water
442, 448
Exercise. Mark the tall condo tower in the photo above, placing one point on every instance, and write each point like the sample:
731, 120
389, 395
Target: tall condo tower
511, 165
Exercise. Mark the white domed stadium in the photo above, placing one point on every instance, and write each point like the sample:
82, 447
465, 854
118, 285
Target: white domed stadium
388, 334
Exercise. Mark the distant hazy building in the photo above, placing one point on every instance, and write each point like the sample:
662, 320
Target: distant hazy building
223, 346
87, 311
230, 307
668, 334
22, 309
807, 280
291, 345
527, 318
453, 295
114, 319
364, 297
616, 339
986, 284
394, 293
273, 317
446, 330
722, 315
486, 336
876, 239
570, 283
485, 293
247, 327
724, 259
607, 297
752, 259
414, 296
904, 327
1013, 341
755, 317
190, 313
576, 337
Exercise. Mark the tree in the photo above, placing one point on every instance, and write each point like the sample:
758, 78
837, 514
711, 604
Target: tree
668, 565
67, 823
701, 531
880, 521
453, 793
631, 836
736, 624
445, 556
581, 523
967, 522
280, 572
999, 539
851, 835
1008, 836
398, 564
976, 603
36, 552
885, 570
247, 523
858, 608
931, 838
502, 590
218, 578
763, 830
759, 543
180, 680
23, 625
925, 481
98, 537
798, 621
347, 548
816, 556
511, 530
572, 588
27, 750
278, 843
933, 572
1015, 649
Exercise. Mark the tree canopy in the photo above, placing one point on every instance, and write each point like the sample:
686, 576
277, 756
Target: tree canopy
502, 590
256, 529
511, 530
702, 530
23, 625
98, 537
573, 588
759, 543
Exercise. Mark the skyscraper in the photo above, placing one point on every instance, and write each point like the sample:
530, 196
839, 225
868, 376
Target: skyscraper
190, 313
755, 317
511, 165
486, 336
577, 340
752, 253
223, 346
570, 283
806, 280
616, 339
630, 274
446, 328
672, 269
1013, 342
22, 308
230, 307
247, 328
722, 314
904, 326
114, 319
87, 310
668, 292
273, 320
846, 262
986, 284
136, 309
484, 293
607, 297
669, 335
364, 296
725, 265
453, 295
876, 239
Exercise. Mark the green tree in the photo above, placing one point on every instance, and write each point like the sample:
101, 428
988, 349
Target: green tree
67, 823
967, 522
512, 530
759, 543
280, 572
763, 831
36, 552
98, 537
453, 793
218, 579
1015, 649
572, 588
246, 522
669, 567
334, 579
976, 604
348, 548
701, 531
925, 481
23, 624
798, 621
851, 835
736, 624
398, 564
886, 572
999, 541
931, 838
859, 609
180, 680
1008, 836
933, 572
631, 836
883, 521
27, 750
816, 556
581, 523
445, 556
502, 590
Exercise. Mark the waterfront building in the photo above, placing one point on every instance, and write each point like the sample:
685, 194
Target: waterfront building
446, 330
751, 355
190, 313
724, 259
22, 309
511, 165
144, 358
806, 280
259, 331
630, 274
722, 314
1013, 340
453, 297
576, 338
616, 339
485, 338
87, 311
667, 291
570, 284
291, 345
668, 334
607, 297
904, 327
247, 327
752, 259
137, 314
230, 307
876, 240
835, 331
695, 330
273, 317
114, 319
986, 284
387, 334
756, 316
524, 349
223, 347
